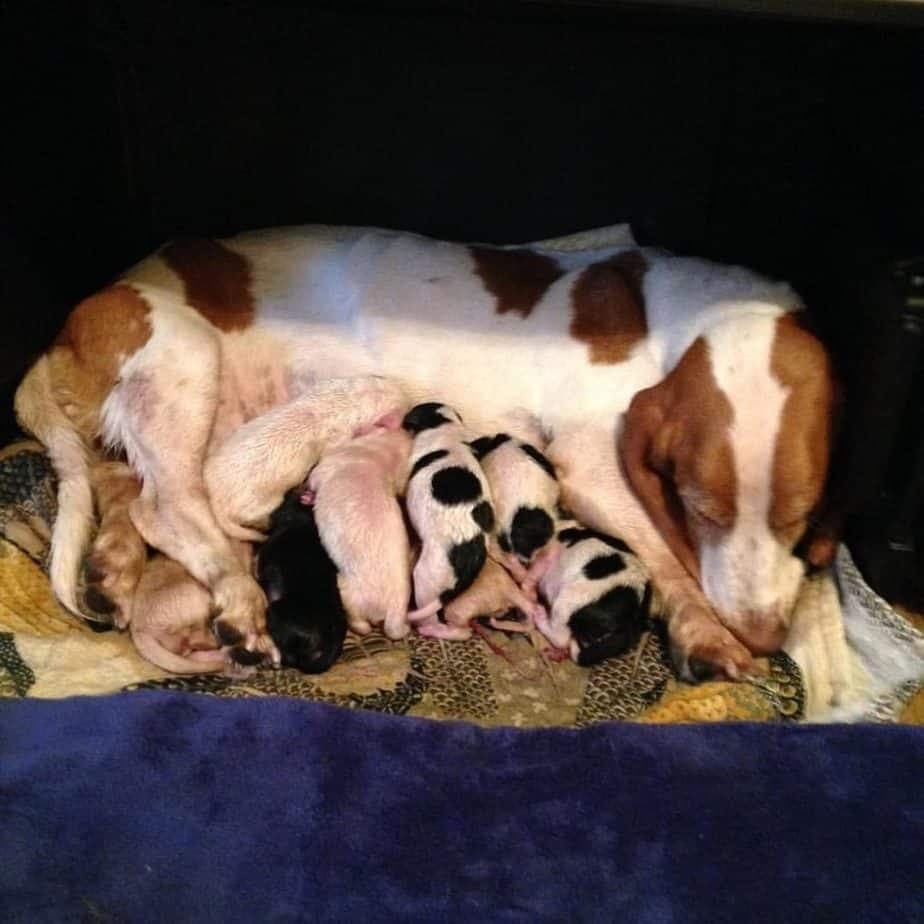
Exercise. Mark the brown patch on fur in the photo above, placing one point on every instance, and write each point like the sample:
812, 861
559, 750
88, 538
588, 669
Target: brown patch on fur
99, 335
608, 308
216, 281
674, 444
516, 278
800, 461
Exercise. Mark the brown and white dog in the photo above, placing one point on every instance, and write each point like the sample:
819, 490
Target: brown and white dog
698, 376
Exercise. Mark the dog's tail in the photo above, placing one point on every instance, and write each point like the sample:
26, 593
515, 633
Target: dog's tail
208, 661
39, 414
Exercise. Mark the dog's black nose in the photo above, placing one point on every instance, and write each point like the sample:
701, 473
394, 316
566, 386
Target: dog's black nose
700, 671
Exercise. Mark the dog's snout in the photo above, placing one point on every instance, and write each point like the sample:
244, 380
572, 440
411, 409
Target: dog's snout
762, 633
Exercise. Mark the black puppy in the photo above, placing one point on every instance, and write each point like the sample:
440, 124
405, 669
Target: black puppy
305, 618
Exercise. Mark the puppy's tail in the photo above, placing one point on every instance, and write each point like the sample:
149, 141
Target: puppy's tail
39, 414
196, 662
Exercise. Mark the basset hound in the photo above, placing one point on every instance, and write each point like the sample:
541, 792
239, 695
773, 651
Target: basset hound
687, 409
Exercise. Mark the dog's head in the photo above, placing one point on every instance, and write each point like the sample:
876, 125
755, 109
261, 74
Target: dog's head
729, 455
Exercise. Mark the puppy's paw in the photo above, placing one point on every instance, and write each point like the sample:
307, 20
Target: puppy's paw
440, 630
359, 626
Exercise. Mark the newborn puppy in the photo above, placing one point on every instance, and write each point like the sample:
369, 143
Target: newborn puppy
305, 616
598, 592
355, 488
170, 624
449, 506
494, 594
525, 492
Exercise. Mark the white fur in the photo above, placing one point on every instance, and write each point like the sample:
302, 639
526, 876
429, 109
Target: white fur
748, 570
40, 415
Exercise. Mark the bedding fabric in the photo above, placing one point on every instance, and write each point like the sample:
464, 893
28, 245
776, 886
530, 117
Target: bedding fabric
160, 806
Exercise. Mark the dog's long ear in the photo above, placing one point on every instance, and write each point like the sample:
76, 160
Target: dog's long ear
646, 447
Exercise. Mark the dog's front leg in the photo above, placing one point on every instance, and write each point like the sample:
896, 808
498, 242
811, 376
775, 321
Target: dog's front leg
248, 474
596, 492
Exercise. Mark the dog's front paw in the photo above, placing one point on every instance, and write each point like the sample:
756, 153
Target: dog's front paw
239, 622
702, 649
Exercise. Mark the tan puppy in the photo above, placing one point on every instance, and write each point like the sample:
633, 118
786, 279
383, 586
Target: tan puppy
170, 623
493, 594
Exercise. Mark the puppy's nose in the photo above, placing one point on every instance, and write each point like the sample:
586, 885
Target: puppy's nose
761, 633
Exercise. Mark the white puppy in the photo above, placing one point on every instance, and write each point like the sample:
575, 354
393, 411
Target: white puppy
355, 488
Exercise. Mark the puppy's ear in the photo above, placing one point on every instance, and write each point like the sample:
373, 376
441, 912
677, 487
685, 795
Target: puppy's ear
646, 450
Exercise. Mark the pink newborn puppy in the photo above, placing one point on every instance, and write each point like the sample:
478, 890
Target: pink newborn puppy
355, 488
493, 594
170, 623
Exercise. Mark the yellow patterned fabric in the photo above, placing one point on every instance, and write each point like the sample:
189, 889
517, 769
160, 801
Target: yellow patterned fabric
497, 680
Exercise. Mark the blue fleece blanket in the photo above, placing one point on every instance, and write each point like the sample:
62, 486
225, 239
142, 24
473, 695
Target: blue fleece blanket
173, 807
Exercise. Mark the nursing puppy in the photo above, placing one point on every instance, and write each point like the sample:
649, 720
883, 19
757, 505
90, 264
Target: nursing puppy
525, 492
494, 594
166, 611
598, 594
170, 624
449, 505
355, 488
305, 617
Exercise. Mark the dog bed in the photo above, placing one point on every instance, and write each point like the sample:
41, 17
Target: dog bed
850, 654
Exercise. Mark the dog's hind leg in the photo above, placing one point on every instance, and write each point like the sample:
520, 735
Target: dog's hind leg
162, 411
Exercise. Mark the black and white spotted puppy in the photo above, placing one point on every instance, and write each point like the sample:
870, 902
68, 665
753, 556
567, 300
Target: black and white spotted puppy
525, 492
449, 505
598, 594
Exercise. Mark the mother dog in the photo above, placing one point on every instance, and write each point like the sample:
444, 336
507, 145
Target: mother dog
696, 377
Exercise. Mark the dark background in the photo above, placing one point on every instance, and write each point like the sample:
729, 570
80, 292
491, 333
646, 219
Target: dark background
791, 145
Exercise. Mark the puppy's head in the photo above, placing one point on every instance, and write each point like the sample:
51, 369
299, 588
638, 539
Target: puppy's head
429, 415
530, 530
609, 626
308, 641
